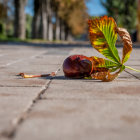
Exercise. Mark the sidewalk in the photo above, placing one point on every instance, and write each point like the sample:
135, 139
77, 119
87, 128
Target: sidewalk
62, 108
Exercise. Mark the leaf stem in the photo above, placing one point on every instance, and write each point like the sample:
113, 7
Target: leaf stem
132, 68
33, 76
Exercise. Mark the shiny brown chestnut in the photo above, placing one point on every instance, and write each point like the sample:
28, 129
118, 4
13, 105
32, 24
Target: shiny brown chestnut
77, 66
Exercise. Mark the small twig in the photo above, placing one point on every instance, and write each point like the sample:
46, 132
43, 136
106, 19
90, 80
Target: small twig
33, 76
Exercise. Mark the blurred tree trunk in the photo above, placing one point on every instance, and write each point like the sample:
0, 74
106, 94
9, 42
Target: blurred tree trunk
62, 30
19, 28
44, 19
36, 19
57, 30
50, 28
138, 24
50, 24
68, 35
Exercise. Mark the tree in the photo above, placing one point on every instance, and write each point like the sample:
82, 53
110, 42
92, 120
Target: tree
138, 24
124, 12
55, 8
3, 11
42, 20
28, 25
78, 17
36, 19
44, 15
50, 24
73, 17
20, 18
3, 16
69, 18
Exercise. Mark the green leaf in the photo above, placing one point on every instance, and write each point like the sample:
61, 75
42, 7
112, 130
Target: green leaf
102, 63
103, 36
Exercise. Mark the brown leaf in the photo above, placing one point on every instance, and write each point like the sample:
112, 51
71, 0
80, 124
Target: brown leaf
127, 48
101, 64
105, 76
100, 70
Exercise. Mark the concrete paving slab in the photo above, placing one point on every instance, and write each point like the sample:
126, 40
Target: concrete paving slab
40, 64
85, 109
17, 94
62, 108
13, 102
69, 119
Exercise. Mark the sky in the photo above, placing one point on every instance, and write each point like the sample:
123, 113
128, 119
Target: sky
29, 8
94, 8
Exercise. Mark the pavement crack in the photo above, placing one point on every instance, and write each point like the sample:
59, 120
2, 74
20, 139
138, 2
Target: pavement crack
10, 132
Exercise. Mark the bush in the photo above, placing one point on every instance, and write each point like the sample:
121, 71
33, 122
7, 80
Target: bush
2, 29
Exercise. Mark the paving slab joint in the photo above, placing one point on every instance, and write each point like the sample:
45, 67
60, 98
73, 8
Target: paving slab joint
10, 132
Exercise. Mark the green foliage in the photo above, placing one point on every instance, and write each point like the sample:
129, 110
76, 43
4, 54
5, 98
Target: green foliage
28, 25
73, 13
2, 29
123, 11
3, 11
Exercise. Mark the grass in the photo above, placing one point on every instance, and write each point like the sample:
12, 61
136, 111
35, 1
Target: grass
6, 39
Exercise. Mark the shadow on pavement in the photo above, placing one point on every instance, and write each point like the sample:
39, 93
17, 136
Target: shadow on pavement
66, 78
